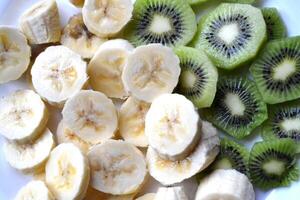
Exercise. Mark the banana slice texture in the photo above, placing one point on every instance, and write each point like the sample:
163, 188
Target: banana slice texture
67, 172
132, 121
57, 74
31, 156
106, 17
170, 193
171, 126
14, 54
151, 70
91, 116
93, 194
41, 23
23, 115
117, 167
76, 36
226, 185
105, 68
77, 3
34, 190
169, 172
148, 196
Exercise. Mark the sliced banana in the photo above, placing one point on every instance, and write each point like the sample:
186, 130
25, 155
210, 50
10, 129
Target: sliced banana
117, 167
171, 126
41, 23
91, 116
76, 37
31, 156
149, 196
169, 172
132, 121
57, 74
93, 194
105, 68
106, 17
34, 190
14, 54
77, 3
23, 115
225, 185
67, 172
151, 70
170, 193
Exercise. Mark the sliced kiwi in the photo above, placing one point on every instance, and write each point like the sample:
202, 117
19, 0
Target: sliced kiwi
198, 79
194, 2
231, 34
240, 1
170, 22
276, 71
273, 164
275, 26
237, 108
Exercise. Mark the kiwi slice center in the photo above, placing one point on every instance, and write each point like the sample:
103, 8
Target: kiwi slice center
160, 24
235, 104
228, 33
284, 70
291, 124
274, 167
188, 79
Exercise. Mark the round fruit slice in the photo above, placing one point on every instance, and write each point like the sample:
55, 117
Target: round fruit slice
23, 115
93, 194
118, 167
34, 190
14, 54
148, 196
171, 193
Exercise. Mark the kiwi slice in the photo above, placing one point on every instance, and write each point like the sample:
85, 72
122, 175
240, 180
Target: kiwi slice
275, 26
237, 108
194, 2
231, 34
240, 1
276, 71
273, 164
198, 79
170, 22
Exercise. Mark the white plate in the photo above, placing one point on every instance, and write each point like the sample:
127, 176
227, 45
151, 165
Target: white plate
11, 180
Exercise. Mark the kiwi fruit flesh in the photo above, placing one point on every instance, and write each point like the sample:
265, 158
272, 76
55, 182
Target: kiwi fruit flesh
198, 79
240, 1
275, 26
231, 35
237, 108
276, 71
273, 163
195, 2
169, 22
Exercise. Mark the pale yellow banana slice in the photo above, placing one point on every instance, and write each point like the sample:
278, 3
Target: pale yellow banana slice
14, 54
170, 193
117, 167
106, 17
34, 190
31, 156
23, 115
105, 68
76, 37
57, 74
132, 121
93, 194
151, 70
91, 116
170, 172
225, 185
67, 172
149, 196
40, 23
171, 126
77, 3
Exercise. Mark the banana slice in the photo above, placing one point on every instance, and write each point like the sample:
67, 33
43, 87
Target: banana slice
23, 115
57, 74
106, 18
149, 196
14, 54
34, 190
41, 23
118, 167
93, 194
76, 37
77, 3
170, 193
169, 172
91, 116
132, 121
171, 126
225, 185
67, 172
151, 70
105, 68
31, 156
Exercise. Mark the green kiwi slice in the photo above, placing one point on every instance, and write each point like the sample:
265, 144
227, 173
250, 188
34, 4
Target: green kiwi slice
276, 71
198, 79
240, 1
231, 34
194, 2
275, 26
170, 22
273, 164
237, 108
